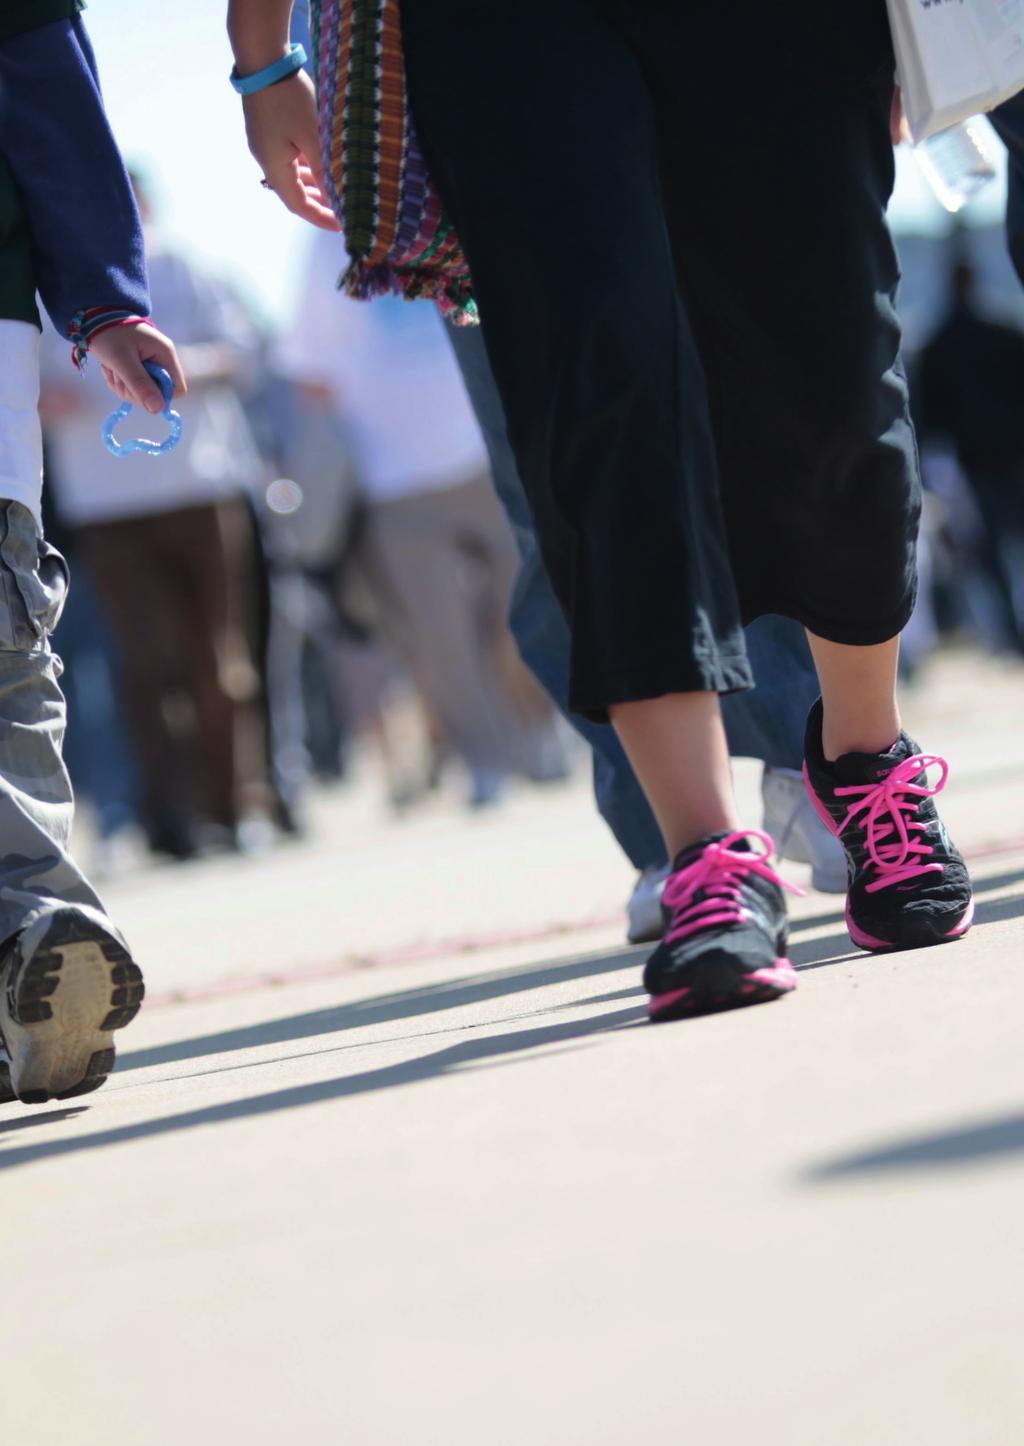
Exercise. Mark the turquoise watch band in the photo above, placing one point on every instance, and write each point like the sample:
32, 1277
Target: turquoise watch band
280, 70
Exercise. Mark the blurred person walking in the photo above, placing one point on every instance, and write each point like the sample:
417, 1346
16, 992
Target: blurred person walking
320, 694
686, 454
333, 679
170, 553
438, 549
67, 978
969, 385
1008, 120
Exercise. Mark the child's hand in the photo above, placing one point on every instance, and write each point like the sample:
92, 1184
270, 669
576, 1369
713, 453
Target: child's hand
121, 352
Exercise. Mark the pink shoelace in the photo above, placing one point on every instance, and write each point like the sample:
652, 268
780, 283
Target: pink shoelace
706, 892
884, 813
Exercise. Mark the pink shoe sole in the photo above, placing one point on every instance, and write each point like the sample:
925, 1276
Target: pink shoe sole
877, 946
757, 988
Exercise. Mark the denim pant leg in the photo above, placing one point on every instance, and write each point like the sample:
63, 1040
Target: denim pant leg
542, 636
767, 723
36, 804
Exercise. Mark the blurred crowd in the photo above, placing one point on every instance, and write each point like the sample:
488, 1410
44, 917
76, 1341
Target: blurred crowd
966, 384
319, 573
317, 579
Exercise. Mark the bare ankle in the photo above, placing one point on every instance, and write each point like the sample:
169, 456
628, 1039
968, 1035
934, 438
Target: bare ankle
862, 737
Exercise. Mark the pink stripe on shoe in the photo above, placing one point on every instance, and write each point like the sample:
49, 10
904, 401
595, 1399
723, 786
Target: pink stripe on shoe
964, 924
818, 806
782, 974
661, 1002
780, 977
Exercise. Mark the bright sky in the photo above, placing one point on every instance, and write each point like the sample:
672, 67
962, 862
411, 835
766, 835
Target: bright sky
164, 70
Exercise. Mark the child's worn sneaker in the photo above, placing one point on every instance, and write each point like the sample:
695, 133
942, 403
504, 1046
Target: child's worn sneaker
798, 832
66, 983
645, 922
725, 930
908, 885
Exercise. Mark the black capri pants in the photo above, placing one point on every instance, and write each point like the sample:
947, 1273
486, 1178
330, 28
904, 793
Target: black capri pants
674, 215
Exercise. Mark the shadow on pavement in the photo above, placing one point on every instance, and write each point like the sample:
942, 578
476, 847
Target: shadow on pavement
997, 910
471, 1053
433, 998
385, 1008
946, 1147
481, 1052
33, 1121
999, 1137
460, 992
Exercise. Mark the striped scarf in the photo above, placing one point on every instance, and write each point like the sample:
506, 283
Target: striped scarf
397, 232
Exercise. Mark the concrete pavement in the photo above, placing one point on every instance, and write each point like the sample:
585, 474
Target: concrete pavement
391, 1157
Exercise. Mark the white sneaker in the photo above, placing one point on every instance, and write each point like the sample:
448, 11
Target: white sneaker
798, 832
645, 923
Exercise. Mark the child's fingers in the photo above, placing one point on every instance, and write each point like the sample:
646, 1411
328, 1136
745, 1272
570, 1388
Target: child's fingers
162, 351
119, 387
139, 386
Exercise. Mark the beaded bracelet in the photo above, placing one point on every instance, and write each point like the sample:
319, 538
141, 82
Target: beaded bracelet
294, 60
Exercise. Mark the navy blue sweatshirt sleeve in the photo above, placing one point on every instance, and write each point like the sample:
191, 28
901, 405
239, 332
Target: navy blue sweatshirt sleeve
54, 134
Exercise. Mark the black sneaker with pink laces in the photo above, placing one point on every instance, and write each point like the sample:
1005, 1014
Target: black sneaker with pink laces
725, 936
908, 885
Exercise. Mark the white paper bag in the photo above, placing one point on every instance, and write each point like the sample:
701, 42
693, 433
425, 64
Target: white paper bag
956, 58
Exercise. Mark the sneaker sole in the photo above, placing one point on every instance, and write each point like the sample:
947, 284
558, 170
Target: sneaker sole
732, 988
76, 987
927, 940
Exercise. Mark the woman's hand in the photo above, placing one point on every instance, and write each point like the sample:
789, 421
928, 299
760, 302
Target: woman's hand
898, 128
282, 127
121, 352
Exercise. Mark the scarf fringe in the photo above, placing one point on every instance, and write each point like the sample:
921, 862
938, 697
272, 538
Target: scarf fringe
399, 235
453, 295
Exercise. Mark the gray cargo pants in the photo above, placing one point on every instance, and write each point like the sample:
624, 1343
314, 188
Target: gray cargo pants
37, 872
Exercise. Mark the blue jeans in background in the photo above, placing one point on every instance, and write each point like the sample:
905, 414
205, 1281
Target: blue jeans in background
767, 723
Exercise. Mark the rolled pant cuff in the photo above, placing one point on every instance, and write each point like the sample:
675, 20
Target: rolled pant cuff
854, 632
727, 673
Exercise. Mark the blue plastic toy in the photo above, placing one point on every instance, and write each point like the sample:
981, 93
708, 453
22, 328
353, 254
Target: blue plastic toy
142, 444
